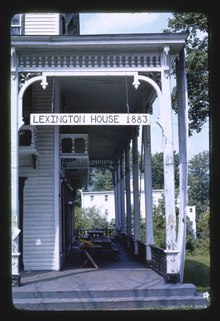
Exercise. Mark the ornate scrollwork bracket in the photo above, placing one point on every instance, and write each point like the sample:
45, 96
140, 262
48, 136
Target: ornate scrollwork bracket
166, 51
44, 82
136, 81
25, 76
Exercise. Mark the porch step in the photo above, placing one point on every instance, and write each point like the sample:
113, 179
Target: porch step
165, 296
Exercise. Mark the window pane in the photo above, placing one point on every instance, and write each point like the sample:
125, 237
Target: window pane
66, 145
15, 31
16, 20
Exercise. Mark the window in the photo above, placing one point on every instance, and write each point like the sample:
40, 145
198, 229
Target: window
106, 198
67, 145
92, 198
106, 212
80, 145
16, 25
25, 137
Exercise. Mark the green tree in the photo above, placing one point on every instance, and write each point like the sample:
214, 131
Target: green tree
93, 219
199, 180
159, 224
100, 179
196, 25
203, 225
158, 172
78, 218
190, 237
203, 234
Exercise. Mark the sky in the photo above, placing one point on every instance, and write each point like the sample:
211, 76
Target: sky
144, 22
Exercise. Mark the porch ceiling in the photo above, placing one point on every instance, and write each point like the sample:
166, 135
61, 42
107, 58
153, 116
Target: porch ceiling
103, 94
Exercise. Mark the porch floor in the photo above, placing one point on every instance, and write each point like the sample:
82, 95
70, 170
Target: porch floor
124, 283
124, 273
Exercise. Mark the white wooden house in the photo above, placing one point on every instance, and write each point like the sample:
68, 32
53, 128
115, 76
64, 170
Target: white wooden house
104, 201
57, 75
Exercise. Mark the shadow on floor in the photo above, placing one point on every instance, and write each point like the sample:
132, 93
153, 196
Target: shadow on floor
120, 260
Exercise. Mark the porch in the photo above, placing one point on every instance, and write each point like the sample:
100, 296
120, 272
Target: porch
121, 284
92, 75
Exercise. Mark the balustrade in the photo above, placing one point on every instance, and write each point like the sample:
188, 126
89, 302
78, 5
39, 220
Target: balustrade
37, 62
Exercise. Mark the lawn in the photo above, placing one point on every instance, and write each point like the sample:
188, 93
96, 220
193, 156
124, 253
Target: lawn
197, 271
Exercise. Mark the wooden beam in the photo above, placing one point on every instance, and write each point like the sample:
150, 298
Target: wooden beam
90, 259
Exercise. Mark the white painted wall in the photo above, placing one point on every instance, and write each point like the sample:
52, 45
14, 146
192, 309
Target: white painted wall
42, 24
104, 201
39, 205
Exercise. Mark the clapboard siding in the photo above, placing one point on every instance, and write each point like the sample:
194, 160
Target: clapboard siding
39, 209
42, 24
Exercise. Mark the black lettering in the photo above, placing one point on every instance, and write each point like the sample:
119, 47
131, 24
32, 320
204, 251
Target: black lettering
41, 119
53, 121
34, 120
116, 120
93, 119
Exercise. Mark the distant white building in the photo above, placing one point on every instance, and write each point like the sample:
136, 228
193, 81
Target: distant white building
105, 202
191, 213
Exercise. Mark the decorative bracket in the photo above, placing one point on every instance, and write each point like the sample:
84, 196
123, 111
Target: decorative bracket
136, 81
44, 82
166, 51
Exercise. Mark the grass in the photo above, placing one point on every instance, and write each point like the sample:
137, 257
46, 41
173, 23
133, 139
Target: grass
197, 271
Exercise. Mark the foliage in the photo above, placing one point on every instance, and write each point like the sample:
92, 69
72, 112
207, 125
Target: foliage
158, 171
199, 179
90, 218
202, 244
196, 25
190, 237
203, 225
159, 224
78, 218
100, 179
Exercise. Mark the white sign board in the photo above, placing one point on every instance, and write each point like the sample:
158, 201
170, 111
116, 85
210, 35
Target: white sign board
90, 119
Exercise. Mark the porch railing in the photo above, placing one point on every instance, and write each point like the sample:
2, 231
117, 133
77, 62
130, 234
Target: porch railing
158, 259
78, 233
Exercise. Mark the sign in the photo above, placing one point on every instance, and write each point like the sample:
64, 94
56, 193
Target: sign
90, 119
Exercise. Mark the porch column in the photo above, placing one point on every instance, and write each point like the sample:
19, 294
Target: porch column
122, 193
57, 211
148, 192
14, 173
183, 167
118, 196
128, 193
168, 160
136, 191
